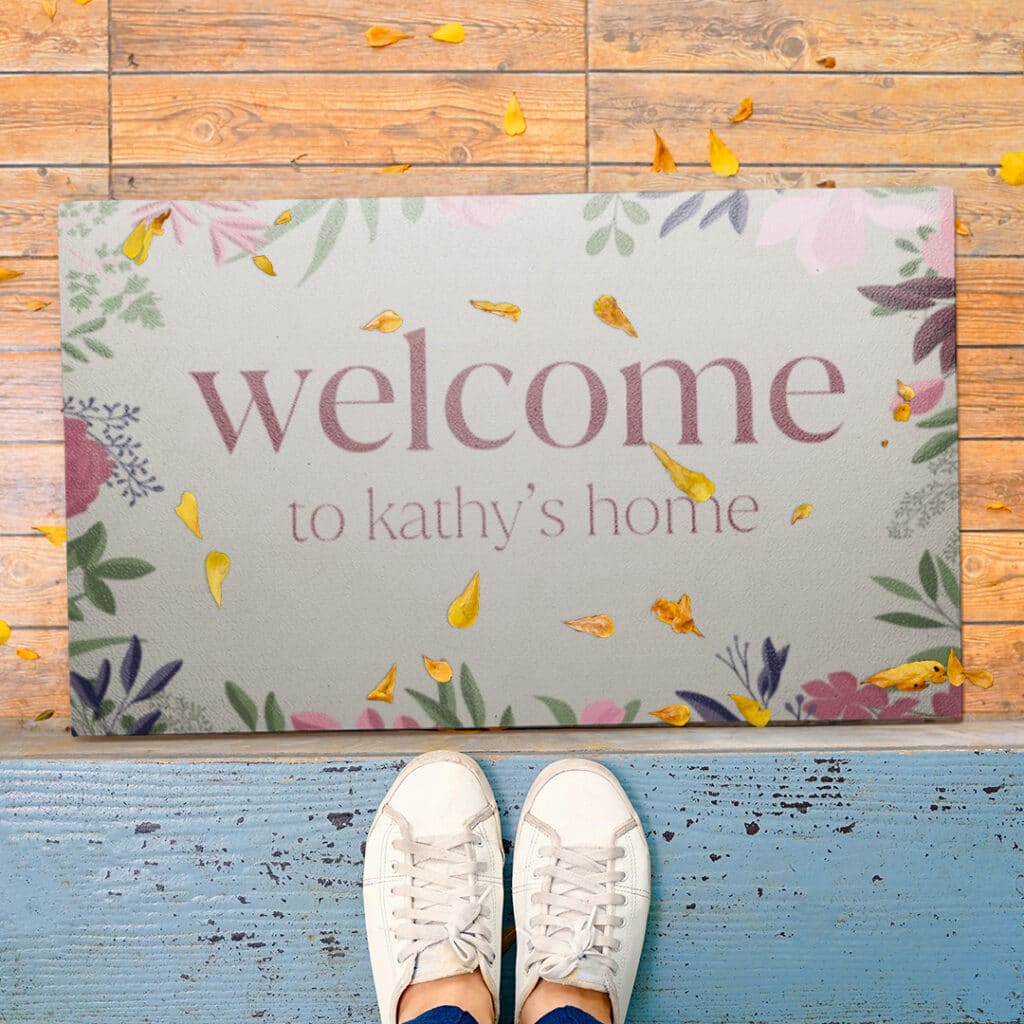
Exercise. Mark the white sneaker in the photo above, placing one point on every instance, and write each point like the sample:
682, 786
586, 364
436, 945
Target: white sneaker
581, 885
432, 879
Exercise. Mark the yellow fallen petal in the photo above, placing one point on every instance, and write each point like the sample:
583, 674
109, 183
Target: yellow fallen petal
663, 161
826, 62
34, 305
674, 714
6, 274
979, 678
147, 241
156, 225
395, 169
188, 512
50, 8
722, 159
439, 671
385, 689
608, 311
56, 535
911, 675
462, 612
683, 622
385, 322
27, 654
451, 32
800, 512
384, 35
906, 392
1011, 170
5, 632
263, 262
44, 716
954, 669
746, 108
82, 3
693, 484
505, 309
284, 217
998, 506
751, 710
962, 228
217, 566
515, 123
901, 413
596, 625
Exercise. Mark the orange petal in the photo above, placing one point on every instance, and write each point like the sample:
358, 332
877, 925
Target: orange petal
902, 412
674, 714
283, 217
751, 710
27, 654
439, 671
693, 484
663, 161
34, 305
505, 309
188, 512
800, 512
954, 669
827, 183
998, 506
384, 35
385, 322
263, 262
979, 678
5, 632
217, 566
462, 612
450, 32
596, 625
395, 169
608, 311
961, 227
56, 535
826, 62
722, 159
515, 123
6, 274
684, 617
746, 108
385, 689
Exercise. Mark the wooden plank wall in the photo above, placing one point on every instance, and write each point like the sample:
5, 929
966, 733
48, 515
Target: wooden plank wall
204, 99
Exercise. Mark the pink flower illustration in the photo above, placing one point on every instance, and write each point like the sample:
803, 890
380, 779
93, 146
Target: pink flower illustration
481, 211
939, 247
226, 224
899, 708
602, 712
88, 466
928, 395
829, 225
947, 703
371, 718
308, 721
842, 697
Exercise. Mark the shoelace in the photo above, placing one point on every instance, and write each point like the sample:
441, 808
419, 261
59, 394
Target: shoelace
577, 921
444, 899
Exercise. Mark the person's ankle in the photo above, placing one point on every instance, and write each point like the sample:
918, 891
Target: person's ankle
468, 992
549, 995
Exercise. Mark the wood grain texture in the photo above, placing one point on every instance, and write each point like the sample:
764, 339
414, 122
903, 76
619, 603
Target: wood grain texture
28, 204
1000, 649
289, 35
53, 119
804, 118
28, 687
20, 326
31, 488
76, 39
990, 300
774, 35
169, 892
30, 396
33, 582
992, 471
992, 576
991, 392
993, 211
360, 119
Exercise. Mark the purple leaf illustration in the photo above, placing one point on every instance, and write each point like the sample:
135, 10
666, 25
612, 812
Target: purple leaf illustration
739, 207
896, 296
130, 664
709, 708
86, 694
771, 674
144, 726
682, 213
938, 329
931, 287
715, 212
158, 680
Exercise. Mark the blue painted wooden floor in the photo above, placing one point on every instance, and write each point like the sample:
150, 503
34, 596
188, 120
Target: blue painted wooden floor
853, 888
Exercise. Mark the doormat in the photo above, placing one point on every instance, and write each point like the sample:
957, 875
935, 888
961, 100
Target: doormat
504, 461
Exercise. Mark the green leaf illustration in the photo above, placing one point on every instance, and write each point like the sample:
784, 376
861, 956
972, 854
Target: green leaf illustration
635, 212
564, 715
623, 242
935, 445
273, 715
123, 568
88, 548
950, 584
897, 587
74, 612
412, 208
438, 715
597, 204
934, 654
330, 229
928, 576
909, 620
104, 351
89, 327
99, 594
446, 698
598, 240
371, 214
472, 696
243, 704
508, 720
74, 351
77, 647
945, 418
631, 709
301, 212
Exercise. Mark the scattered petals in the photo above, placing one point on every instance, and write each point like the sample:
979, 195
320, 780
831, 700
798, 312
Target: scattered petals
827, 183
962, 228
136, 245
677, 614
505, 309
905, 391
800, 512
663, 162
6, 274
912, 675
608, 311
263, 262
515, 123
451, 32
1011, 170
384, 35
826, 62
439, 671
885, 444
284, 217
722, 159
902, 412
385, 689
751, 710
998, 506
385, 322
746, 108
5, 632
217, 566
395, 169
56, 535
957, 673
44, 715
27, 654
82, 3
34, 305
674, 714
462, 612
693, 484
50, 8
188, 512
596, 625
